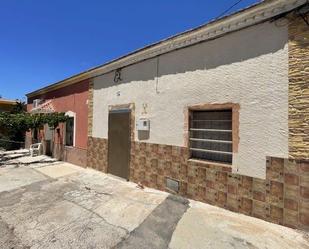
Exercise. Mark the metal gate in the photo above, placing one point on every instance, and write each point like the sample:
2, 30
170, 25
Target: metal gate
119, 142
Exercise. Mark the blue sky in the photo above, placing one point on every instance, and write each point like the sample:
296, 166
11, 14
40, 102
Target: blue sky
45, 41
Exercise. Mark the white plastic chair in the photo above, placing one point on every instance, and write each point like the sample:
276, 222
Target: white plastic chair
35, 149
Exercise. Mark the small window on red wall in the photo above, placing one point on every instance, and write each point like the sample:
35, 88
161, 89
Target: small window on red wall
69, 132
211, 135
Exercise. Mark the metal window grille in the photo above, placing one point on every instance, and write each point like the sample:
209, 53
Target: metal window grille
211, 135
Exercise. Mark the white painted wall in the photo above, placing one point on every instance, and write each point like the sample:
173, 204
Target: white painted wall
249, 67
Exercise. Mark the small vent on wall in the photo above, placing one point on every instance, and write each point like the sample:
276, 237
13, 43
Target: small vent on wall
172, 184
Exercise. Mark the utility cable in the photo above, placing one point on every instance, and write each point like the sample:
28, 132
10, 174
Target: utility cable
224, 12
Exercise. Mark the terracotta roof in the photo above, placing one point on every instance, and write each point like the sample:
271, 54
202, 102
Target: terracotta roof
7, 101
254, 14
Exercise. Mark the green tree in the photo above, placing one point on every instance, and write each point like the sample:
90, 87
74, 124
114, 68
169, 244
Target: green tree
15, 124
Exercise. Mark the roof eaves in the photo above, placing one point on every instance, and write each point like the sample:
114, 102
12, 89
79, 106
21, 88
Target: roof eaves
256, 13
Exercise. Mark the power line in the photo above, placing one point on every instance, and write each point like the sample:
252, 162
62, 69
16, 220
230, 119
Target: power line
224, 12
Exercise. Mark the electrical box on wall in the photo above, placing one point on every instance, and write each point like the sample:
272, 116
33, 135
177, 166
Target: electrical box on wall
143, 124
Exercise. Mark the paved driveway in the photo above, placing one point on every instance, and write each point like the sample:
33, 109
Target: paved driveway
50, 204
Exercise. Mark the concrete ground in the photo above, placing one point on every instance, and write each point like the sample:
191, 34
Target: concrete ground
50, 204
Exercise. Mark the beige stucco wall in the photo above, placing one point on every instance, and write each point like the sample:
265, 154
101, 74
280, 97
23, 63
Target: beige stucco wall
249, 67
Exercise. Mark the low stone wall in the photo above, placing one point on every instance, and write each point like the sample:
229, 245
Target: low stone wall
68, 154
75, 155
282, 198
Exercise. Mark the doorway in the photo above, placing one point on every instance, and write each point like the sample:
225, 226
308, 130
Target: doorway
119, 142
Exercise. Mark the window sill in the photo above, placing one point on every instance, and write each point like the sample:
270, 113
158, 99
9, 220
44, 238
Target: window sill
69, 146
206, 162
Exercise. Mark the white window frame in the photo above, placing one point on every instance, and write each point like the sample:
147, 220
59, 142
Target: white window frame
71, 115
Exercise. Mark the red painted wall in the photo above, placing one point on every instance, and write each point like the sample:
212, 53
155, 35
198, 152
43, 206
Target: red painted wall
71, 98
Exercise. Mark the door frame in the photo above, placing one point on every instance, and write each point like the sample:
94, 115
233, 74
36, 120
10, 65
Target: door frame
130, 107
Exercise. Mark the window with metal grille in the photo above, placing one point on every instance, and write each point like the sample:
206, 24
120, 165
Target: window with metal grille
211, 135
